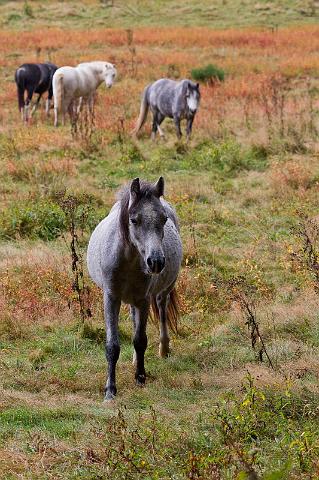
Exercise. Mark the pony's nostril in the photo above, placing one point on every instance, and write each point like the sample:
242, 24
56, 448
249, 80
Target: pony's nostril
155, 265
161, 264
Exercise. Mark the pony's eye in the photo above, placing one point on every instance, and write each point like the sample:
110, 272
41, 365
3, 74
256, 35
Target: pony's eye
134, 221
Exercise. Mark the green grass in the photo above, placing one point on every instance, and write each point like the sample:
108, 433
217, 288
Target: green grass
54, 374
219, 14
200, 415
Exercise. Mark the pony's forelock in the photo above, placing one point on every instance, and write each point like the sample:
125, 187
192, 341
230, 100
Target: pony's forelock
123, 196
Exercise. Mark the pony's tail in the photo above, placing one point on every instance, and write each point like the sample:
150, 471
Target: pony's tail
172, 310
58, 90
20, 89
143, 113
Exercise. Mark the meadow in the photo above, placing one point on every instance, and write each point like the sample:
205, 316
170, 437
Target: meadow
238, 397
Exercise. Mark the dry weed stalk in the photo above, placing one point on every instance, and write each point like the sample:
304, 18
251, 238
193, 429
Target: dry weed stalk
307, 255
76, 220
243, 294
132, 50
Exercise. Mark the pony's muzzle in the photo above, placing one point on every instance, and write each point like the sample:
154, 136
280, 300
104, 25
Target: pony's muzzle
156, 263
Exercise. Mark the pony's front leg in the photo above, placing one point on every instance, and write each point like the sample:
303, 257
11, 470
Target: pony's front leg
189, 127
91, 101
162, 302
140, 340
133, 316
177, 122
111, 315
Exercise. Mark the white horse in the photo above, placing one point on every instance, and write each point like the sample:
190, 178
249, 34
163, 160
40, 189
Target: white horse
73, 85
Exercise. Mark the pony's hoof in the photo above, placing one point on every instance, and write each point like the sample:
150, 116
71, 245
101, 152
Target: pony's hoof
109, 396
163, 350
140, 380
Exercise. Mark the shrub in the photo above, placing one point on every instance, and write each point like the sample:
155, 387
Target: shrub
245, 423
227, 158
210, 74
28, 10
43, 220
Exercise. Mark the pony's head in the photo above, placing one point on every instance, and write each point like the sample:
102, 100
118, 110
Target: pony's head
192, 95
142, 219
109, 73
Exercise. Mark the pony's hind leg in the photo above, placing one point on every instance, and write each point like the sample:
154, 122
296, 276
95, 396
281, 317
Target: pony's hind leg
35, 106
140, 340
73, 114
56, 115
155, 124
111, 315
160, 119
48, 101
27, 105
47, 106
162, 304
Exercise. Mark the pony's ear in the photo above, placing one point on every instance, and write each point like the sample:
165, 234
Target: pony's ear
159, 187
135, 190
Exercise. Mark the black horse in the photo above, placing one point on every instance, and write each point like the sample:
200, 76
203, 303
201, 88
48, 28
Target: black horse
34, 78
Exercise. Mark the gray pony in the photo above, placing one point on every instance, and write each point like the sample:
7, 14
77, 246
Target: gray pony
134, 255
168, 98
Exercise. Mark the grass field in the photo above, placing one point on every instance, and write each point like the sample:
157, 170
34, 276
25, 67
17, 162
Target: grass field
246, 192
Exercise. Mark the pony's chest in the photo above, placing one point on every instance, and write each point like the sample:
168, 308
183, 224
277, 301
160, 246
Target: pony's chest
131, 285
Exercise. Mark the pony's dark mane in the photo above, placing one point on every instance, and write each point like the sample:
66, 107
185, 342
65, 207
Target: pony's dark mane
146, 191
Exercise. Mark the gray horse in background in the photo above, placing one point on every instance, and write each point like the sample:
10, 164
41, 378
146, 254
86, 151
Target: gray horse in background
134, 255
168, 98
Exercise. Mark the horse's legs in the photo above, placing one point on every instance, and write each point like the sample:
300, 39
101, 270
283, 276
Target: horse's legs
48, 101
140, 340
133, 315
56, 114
35, 106
47, 106
79, 107
189, 127
91, 108
27, 104
162, 303
177, 121
160, 118
72, 111
155, 123
67, 106
111, 315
